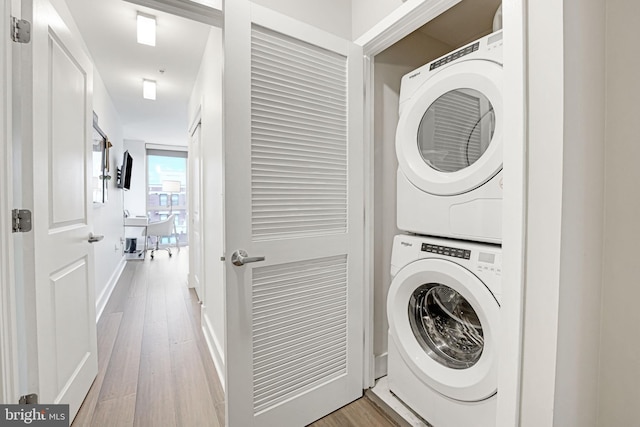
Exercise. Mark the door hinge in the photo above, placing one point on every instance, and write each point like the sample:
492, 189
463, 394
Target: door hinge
21, 30
21, 219
28, 399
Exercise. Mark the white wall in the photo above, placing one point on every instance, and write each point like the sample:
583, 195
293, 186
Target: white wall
333, 16
620, 363
544, 200
410, 53
107, 218
207, 97
576, 391
565, 211
366, 13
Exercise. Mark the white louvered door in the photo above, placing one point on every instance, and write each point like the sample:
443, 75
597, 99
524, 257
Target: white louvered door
293, 194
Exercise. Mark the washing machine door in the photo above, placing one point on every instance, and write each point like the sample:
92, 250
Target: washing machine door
444, 322
449, 135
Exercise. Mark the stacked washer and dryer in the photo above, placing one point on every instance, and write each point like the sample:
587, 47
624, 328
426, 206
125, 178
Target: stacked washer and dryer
444, 300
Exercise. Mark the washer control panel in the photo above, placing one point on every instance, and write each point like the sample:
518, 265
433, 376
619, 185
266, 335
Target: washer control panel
446, 251
489, 262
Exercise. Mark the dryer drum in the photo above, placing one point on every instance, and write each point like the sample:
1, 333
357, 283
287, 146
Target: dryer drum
446, 326
456, 130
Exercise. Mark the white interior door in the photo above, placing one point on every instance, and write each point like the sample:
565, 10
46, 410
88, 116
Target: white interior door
195, 241
293, 194
56, 142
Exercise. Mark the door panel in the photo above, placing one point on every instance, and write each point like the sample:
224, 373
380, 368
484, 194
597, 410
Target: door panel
67, 147
58, 121
293, 193
70, 323
299, 328
298, 138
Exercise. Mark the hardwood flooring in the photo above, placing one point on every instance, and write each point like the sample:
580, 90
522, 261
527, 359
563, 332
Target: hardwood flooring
361, 413
154, 368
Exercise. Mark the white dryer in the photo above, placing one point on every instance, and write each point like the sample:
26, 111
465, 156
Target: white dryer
443, 310
449, 145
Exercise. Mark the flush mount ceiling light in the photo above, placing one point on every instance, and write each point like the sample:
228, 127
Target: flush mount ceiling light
149, 89
146, 29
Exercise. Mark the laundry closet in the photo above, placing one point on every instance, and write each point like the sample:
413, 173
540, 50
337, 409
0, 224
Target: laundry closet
468, 21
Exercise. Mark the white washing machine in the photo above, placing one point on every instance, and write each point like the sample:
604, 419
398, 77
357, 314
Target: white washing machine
449, 145
443, 309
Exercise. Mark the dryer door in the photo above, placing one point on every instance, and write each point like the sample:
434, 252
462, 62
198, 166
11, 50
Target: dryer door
449, 136
444, 321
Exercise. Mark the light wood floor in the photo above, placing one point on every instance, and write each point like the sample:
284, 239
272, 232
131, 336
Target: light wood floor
154, 368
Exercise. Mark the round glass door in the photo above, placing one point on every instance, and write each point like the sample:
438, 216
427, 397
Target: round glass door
449, 134
446, 326
456, 130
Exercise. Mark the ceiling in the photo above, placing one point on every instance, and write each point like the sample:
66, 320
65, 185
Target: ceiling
109, 31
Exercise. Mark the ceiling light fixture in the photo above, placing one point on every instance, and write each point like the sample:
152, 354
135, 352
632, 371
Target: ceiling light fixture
146, 29
149, 89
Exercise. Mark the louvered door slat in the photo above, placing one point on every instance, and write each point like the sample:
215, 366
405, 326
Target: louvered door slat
299, 314
281, 90
299, 135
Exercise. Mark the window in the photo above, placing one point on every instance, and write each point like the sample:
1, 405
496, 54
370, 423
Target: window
167, 190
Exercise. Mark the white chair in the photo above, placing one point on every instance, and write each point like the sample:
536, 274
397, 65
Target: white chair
160, 229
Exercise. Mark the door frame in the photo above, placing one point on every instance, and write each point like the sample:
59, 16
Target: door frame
405, 19
8, 331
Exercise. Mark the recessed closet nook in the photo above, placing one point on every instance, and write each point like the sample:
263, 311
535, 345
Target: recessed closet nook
465, 22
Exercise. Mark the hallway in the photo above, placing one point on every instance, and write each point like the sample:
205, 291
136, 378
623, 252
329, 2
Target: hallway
154, 368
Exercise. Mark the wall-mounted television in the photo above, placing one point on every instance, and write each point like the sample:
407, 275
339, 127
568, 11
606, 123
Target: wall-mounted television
124, 172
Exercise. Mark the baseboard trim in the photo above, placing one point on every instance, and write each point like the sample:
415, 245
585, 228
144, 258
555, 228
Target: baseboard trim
214, 348
103, 299
380, 365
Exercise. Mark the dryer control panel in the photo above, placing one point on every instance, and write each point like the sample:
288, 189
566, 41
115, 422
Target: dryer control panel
454, 56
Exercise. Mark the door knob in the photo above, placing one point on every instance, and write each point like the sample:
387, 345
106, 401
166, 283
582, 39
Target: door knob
95, 238
241, 257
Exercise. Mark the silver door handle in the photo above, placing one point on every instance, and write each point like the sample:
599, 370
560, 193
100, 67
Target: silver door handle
95, 238
241, 257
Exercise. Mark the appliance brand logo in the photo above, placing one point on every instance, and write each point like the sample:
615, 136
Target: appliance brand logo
414, 75
406, 244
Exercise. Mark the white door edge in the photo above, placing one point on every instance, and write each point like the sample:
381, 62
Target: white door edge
193, 127
404, 20
369, 366
8, 332
515, 202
